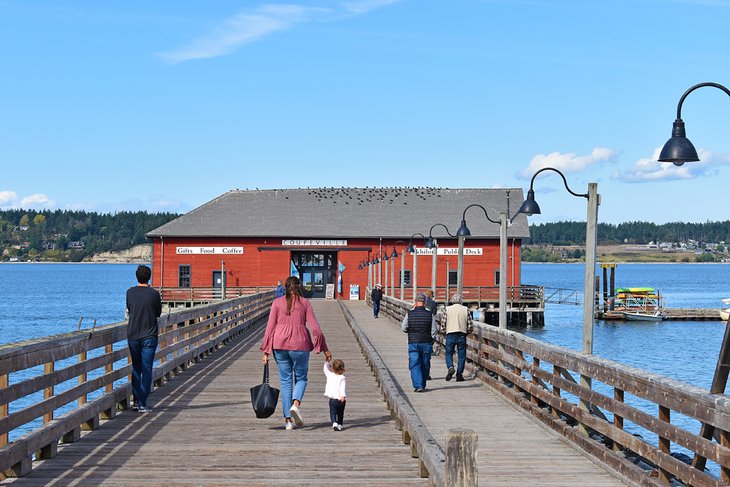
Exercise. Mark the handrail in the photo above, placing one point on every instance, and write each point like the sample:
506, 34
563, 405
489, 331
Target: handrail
543, 379
85, 375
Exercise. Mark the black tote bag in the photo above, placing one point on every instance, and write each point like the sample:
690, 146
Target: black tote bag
264, 397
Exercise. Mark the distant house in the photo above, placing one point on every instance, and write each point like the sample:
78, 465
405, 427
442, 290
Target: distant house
78, 244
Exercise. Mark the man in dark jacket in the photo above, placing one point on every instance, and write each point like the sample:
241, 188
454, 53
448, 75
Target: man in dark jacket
144, 306
376, 296
420, 325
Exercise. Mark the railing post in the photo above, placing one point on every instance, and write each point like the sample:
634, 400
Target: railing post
618, 421
48, 368
664, 444
461, 468
82, 377
3, 409
109, 368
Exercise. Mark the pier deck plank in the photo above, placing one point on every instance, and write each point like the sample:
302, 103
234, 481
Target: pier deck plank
203, 431
514, 448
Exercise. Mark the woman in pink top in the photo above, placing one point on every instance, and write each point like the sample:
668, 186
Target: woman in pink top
288, 338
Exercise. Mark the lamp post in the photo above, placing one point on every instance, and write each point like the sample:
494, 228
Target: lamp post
412, 250
679, 150
530, 207
394, 255
433, 245
464, 232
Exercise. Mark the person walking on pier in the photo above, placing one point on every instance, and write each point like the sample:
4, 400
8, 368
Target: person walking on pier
144, 307
376, 296
336, 391
458, 324
289, 340
279, 289
420, 325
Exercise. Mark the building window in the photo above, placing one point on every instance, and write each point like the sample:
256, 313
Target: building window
183, 275
496, 278
405, 277
453, 278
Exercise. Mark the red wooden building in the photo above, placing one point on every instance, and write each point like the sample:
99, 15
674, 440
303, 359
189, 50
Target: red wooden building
251, 239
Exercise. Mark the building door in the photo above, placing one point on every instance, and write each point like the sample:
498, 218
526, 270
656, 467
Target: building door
218, 279
316, 270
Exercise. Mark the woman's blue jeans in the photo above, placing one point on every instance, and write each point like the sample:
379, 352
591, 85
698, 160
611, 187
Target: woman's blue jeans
293, 367
142, 353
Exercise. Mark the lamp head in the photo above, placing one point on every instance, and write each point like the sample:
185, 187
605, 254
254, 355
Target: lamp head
463, 230
530, 206
429, 243
678, 149
394, 254
375, 261
359, 266
410, 249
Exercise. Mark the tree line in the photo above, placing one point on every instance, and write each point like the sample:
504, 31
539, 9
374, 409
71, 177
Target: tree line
636, 232
64, 235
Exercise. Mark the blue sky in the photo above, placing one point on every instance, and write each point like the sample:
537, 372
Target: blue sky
162, 106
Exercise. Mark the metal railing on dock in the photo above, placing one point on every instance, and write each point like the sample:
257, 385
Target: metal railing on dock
84, 376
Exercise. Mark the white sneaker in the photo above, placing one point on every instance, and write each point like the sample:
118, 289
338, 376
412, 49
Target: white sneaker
339, 427
296, 415
334, 426
289, 426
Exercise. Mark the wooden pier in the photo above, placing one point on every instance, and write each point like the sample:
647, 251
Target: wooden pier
671, 314
536, 420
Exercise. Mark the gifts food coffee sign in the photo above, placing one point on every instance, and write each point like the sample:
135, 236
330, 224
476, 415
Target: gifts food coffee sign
209, 250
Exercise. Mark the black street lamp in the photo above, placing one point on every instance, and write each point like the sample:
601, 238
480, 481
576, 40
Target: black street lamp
394, 255
464, 232
433, 245
678, 148
413, 252
530, 207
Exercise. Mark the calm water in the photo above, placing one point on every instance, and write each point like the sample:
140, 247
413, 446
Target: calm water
684, 350
46, 299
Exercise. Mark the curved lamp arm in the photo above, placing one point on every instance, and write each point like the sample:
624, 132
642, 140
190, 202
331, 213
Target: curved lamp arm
436, 225
565, 182
699, 85
463, 215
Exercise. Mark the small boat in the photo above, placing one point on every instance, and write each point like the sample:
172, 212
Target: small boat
643, 316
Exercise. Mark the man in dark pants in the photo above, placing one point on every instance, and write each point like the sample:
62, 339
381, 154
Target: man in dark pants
376, 296
420, 325
144, 306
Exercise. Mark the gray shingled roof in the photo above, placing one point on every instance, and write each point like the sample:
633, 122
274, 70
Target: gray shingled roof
347, 213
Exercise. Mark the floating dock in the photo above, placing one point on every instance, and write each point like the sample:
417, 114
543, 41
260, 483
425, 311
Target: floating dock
670, 314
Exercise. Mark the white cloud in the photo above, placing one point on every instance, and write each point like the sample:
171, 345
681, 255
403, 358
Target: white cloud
649, 169
242, 29
7, 198
568, 163
251, 25
37, 200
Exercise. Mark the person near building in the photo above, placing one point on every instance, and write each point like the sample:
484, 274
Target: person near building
144, 306
336, 391
288, 338
376, 295
457, 325
421, 327
279, 289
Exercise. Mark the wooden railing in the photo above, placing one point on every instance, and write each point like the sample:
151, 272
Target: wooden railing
517, 296
204, 294
609, 418
84, 376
